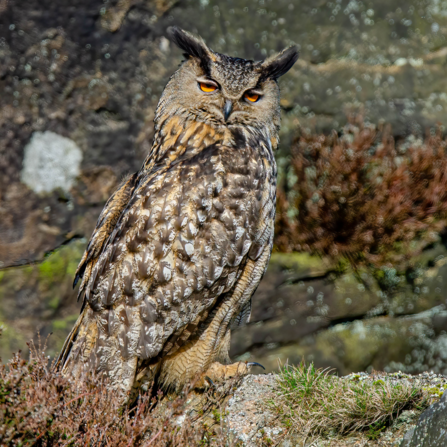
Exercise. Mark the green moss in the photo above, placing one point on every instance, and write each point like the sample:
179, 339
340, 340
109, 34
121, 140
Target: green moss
64, 323
342, 265
59, 324
60, 263
48, 286
290, 260
434, 391
73, 265
53, 267
11, 340
54, 303
217, 416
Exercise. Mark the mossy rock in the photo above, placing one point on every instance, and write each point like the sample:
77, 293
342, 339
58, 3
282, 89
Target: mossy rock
39, 299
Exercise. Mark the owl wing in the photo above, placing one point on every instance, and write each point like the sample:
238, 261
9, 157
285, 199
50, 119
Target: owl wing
104, 226
181, 243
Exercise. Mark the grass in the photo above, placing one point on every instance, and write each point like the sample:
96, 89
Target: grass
317, 402
39, 407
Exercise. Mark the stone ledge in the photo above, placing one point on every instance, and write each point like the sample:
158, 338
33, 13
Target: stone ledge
249, 421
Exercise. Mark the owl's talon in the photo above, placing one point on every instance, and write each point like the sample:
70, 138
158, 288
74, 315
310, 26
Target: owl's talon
249, 365
210, 381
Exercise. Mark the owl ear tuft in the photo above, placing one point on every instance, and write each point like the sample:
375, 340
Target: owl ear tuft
279, 64
191, 45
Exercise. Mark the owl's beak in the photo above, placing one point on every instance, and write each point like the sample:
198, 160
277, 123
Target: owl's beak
228, 108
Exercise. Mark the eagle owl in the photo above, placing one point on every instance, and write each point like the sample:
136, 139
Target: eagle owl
181, 246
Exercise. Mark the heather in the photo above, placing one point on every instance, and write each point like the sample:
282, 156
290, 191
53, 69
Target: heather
39, 407
363, 196
357, 197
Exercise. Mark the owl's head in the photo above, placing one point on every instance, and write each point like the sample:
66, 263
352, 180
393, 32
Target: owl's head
224, 90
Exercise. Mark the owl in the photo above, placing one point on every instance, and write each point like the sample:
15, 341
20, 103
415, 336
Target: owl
181, 246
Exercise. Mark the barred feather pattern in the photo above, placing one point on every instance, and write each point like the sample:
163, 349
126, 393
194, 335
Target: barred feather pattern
182, 245
197, 222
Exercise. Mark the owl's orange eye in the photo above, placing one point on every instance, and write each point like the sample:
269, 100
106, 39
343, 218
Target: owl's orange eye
207, 87
252, 97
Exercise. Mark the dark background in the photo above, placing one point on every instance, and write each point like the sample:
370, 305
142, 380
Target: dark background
92, 72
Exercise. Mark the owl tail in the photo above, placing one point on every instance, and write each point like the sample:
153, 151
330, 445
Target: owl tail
62, 362
88, 350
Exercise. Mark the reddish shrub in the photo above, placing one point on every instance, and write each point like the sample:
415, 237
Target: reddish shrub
40, 408
363, 197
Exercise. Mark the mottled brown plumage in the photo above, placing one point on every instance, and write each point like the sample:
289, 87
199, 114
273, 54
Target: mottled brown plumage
180, 248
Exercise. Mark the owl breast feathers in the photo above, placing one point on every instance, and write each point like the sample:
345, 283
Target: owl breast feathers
181, 246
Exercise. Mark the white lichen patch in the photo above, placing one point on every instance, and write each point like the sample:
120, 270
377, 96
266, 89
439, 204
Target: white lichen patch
50, 161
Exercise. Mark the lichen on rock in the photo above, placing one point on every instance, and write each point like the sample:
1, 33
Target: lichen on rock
50, 161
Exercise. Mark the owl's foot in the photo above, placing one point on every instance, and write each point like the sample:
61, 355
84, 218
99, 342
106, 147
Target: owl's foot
219, 373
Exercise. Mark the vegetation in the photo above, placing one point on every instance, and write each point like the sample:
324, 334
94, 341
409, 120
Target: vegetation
316, 402
40, 408
363, 197
358, 197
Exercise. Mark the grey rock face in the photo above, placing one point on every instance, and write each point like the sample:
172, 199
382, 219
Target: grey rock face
431, 429
250, 420
93, 74
299, 311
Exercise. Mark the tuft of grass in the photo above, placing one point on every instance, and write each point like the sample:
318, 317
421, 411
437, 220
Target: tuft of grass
317, 402
217, 416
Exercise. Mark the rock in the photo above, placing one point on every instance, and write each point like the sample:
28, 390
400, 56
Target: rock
384, 61
39, 299
431, 428
301, 309
246, 416
93, 74
248, 419
296, 298
407, 438
63, 78
406, 344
